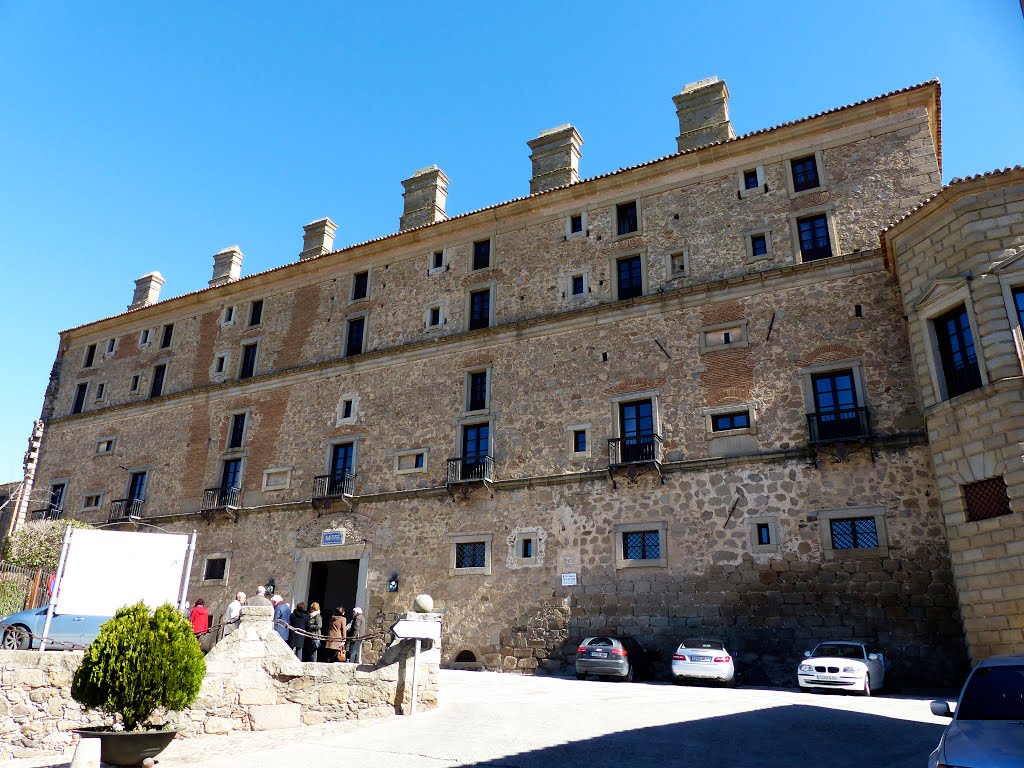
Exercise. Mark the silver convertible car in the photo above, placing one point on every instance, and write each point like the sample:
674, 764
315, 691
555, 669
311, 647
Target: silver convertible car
22, 630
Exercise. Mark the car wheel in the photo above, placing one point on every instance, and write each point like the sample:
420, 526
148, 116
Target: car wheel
581, 675
628, 677
17, 639
731, 682
867, 686
678, 681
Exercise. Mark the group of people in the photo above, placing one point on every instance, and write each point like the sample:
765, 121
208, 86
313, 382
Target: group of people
301, 628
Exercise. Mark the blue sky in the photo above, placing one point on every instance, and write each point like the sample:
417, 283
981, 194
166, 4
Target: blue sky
142, 136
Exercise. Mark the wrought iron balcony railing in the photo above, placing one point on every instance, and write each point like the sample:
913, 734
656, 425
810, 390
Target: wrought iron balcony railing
126, 509
48, 512
469, 469
221, 498
839, 426
332, 486
640, 449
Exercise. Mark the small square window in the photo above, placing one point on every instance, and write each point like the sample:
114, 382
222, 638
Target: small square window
481, 254
759, 245
360, 285
577, 285
722, 422
106, 445
437, 260
764, 536
579, 441
576, 223
135, 383
626, 221
750, 179
229, 316
216, 569
985, 499
256, 312
641, 545
92, 501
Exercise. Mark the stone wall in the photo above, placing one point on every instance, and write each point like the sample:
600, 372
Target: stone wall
253, 682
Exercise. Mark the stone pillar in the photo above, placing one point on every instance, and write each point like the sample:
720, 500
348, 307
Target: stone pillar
703, 111
147, 290
425, 194
227, 266
555, 158
317, 238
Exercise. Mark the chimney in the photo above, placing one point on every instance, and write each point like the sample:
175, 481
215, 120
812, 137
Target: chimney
425, 195
147, 290
703, 111
227, 266
555, 157
317, 238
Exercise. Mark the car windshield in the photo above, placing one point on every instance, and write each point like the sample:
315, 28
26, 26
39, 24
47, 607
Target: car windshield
601, 641
993, 693
711, 645
839, 651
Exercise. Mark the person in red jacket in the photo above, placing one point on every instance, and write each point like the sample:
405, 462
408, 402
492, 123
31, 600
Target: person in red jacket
200, 617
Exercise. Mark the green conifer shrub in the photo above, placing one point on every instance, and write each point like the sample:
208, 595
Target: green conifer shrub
140, 662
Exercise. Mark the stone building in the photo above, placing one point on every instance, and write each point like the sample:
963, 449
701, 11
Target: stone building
679, 399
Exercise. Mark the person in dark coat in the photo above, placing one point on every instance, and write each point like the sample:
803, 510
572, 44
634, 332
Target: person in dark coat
335, 644
300, 621
282, 617
315, 626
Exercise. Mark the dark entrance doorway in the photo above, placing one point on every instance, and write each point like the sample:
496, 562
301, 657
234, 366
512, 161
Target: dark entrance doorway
333, 583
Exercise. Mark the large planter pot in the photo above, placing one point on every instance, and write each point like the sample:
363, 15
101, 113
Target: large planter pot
128, 747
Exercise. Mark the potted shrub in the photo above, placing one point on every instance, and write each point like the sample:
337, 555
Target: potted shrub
140, 662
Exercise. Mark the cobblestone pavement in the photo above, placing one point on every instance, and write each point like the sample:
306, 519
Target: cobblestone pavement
509, 721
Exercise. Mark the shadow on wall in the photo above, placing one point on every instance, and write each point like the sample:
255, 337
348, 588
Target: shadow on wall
782, 737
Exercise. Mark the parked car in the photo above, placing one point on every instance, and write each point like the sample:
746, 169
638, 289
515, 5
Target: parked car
615, 656
986, 731
22, 630
700, 659
843, 665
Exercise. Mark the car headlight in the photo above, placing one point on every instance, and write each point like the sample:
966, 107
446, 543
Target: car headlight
806, 668
850, 670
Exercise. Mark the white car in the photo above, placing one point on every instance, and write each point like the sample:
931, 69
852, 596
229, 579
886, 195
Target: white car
700, 659
844, 665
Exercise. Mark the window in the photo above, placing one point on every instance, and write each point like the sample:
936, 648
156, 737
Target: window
750, 179
481, 254
526, 548
137, 486
231, 475
437, 261
640, 545
723, 336
410, 461
80, 394
105, 445
836, 412
470, 554
758, 245
237, 432
256, 313
90, 356
228, 316
476, 391
630, 280
576, 224
480, 309
157, 387
144, 337
135, 383
360, 285
679, 263
216, 569
579, 441
342, 457
815, 241
805, 173
853, 533
346, 409
165, 340
219, 363
722, 422
57, 497
101, 390
434, 316
764, 534
476, 445
111, 346
751, 182
248, 367
92, 501
578, 285
636, 432
626, 221
354, 333
957, 354
1018, 305
985, 499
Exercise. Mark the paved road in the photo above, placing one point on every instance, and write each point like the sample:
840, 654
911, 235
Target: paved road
508, 721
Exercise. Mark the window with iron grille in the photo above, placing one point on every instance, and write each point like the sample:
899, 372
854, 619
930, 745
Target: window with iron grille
805, 173
481, 254
957, 353
641, 545
986, 498
815, 242
216, 568
625, 218
854, 533
471, 554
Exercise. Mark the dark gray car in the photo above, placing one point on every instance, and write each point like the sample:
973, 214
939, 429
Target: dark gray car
614, 656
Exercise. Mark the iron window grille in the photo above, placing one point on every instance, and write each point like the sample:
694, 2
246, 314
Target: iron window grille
641, 545
471, 554
986, 499
330, 486
805, 173
957, 353
815, 241
126, 509
466, 469
854, 533
216, 568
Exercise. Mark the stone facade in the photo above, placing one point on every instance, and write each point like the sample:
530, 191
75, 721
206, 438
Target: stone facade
727, 318
964, 249
253, 683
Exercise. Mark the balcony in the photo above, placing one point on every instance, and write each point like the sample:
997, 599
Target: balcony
468, 472
634, 456
224, 500
48, 513
334, 486
123, 510
845, 425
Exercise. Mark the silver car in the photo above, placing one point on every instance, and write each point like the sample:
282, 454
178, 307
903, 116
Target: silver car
22, 630
988, 726
700, 659
615, 656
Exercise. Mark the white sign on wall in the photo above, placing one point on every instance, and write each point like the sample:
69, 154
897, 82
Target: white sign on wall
568, 579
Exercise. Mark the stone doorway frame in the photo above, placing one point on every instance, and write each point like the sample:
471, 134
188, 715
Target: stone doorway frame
305, 556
